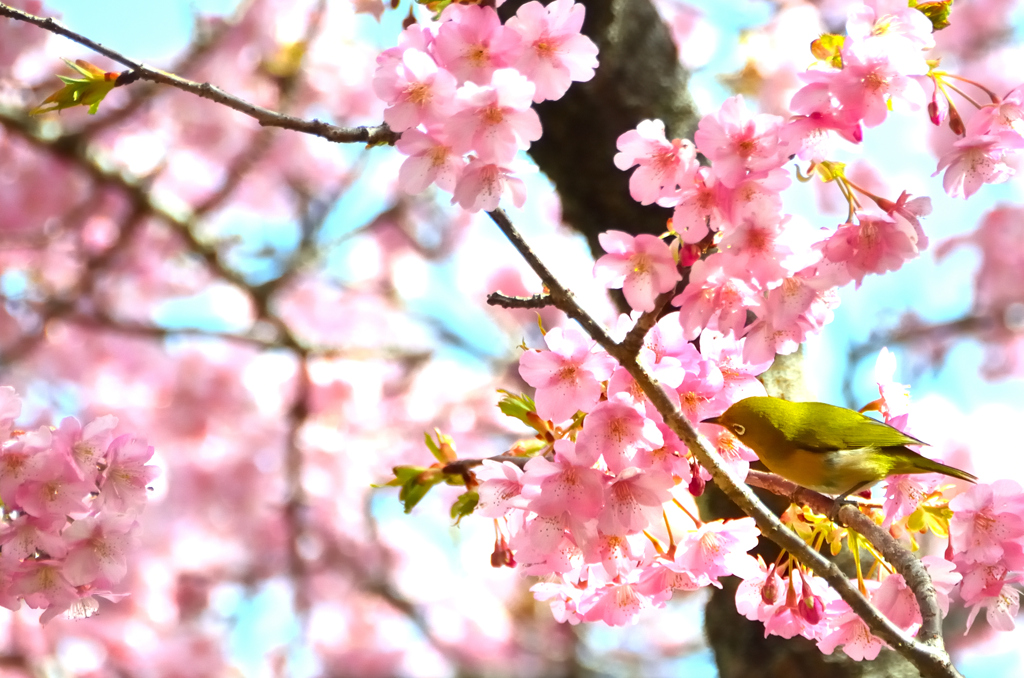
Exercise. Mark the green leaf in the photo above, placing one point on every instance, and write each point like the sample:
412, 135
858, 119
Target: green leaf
411, 494
444, 449
88, 90
523, 408
516, 406
417, 486
464, 505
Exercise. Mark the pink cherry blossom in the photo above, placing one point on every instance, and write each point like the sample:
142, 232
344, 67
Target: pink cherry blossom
909, 209
642, 266
567, 484
737, 142
789, 313
615, 430
668, 371
1004, 116
43, 585
735, 455
473, 43
904, 493
127, 475
671, 458
563, 597
895, 397
633, 501
1001, 609
757, 250
667, 340
698, 393
499, 489
976, 161
899, 36
555, 53
813, 135
55, 488
870, 85
758, 197
568, 375
701, 205
617, 604
543, 547
21, 461
787, 606
495, 120
874, 245
482, 184
662, 164
85, 447
431, 160
718, 549
712, 292
618, 554
98, 547
25, 535
985, 517
418, 92
739, 377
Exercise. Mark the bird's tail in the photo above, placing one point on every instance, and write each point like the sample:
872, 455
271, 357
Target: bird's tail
912, 462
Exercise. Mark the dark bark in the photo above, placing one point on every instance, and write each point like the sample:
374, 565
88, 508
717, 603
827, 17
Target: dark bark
639, 78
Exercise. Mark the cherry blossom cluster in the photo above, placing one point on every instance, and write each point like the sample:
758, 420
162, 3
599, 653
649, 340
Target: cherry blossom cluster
992, 139
987, 545
604, 515
764, 264
761, 266
799, 603
70, 496
880, 66
461, 92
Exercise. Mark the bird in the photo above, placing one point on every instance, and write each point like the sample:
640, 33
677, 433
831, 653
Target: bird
828, 449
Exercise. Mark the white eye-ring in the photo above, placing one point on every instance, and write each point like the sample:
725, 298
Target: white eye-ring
739, 429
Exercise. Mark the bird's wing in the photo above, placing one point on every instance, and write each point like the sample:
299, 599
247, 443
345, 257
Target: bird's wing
848, 429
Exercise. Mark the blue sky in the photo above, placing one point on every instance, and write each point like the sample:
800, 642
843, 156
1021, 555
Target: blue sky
149, 30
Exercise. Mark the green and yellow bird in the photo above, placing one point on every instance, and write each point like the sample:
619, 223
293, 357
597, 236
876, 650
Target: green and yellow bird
826, 448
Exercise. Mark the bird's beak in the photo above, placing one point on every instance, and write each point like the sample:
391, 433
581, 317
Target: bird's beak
712, 420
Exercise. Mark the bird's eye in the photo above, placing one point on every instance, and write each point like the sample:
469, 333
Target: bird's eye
739, 429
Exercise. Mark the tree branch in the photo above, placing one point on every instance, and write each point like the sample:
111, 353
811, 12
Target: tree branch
927, 654
506, 301
381, 134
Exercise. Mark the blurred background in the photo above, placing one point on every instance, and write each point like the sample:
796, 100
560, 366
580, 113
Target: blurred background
284, 326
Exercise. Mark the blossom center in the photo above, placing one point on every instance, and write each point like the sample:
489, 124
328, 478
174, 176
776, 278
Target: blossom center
544, 48
418, 93
478, 55
493, 115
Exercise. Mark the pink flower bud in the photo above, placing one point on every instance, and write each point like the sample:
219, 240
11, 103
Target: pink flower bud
696, 485
771, 588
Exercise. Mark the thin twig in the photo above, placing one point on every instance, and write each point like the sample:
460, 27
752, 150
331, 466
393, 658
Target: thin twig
380, 134
507, 301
